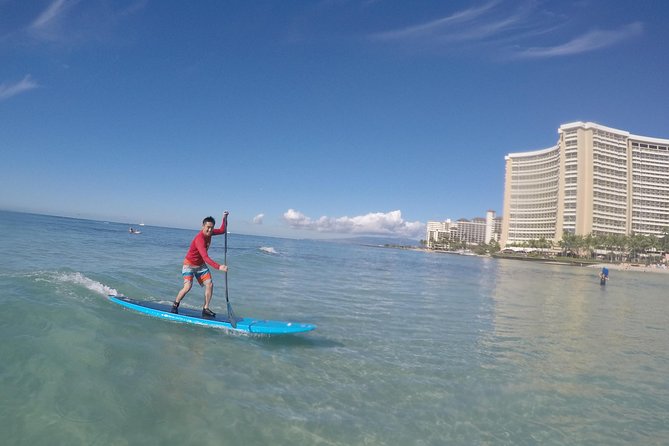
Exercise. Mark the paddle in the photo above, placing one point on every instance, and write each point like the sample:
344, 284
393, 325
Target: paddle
231, 315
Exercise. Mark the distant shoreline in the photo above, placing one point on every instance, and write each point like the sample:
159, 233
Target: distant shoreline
631, 267
634, 267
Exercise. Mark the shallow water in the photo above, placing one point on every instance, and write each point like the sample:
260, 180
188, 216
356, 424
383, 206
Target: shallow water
411, 348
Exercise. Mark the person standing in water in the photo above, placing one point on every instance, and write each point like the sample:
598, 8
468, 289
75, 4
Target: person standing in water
603, 276
195, 264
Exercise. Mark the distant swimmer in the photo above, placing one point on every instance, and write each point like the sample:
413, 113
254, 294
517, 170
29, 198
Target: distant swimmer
603, 276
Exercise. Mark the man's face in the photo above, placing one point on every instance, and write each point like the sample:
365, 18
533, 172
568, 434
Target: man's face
207, 228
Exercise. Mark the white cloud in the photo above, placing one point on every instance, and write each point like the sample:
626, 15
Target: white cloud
77, 21
507, 29
9, 90
258, 219
50, 14
590, 41
434, 27
472, 25
376, 223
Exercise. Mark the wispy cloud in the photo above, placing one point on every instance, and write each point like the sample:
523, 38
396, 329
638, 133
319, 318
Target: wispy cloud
435, 27
9, 90
258, 219
506, 29
377, 223
473, 25
590, 41
51, 14
76, 21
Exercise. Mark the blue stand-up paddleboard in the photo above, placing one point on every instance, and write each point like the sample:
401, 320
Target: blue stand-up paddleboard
192, 316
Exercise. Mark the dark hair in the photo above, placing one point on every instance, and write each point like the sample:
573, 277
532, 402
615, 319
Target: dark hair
209, 219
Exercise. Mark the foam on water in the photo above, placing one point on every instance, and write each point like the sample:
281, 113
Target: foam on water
78, 278
268, 250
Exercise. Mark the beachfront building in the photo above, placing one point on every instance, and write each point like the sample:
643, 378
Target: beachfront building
472, 231
493, 227
436, 231
594, 180
476, 231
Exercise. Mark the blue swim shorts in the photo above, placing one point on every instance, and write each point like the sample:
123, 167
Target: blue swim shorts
200, 272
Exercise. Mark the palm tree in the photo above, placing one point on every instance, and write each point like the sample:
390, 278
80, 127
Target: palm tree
665, 239
621, 242
611, 243
636, 244
655, 247
589, 244
580, 244
568, 243
599, 241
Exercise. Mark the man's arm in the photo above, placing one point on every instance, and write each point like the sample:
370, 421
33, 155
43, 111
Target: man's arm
202, 249
222, 229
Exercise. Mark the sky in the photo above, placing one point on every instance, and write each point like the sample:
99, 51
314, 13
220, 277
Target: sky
308, 119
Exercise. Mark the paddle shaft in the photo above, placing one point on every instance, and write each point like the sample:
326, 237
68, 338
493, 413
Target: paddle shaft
225, 258
231, 315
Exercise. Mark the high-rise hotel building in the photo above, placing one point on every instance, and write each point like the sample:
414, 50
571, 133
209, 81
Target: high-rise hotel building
474, 232
595, 180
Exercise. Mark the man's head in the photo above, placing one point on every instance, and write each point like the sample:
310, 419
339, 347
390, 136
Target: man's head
208, 225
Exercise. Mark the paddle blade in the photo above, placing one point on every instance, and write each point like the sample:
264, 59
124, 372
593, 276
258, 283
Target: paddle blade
231, 316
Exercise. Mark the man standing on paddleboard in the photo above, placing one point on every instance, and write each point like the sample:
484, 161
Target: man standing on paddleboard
195, 264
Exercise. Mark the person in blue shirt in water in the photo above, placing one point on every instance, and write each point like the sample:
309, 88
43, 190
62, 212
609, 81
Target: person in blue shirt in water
603, 276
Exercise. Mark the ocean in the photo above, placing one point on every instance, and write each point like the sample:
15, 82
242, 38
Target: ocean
412, 348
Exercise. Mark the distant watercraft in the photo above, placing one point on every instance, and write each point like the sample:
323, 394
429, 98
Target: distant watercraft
134, 231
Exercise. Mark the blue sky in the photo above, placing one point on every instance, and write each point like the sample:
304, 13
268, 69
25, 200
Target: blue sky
308, 118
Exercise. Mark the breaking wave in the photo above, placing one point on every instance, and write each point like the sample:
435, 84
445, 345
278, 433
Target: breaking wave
90, 284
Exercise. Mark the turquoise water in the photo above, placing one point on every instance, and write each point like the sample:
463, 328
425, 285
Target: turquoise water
411, 348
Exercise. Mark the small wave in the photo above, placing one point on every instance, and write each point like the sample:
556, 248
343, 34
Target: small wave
80, 279
268, 250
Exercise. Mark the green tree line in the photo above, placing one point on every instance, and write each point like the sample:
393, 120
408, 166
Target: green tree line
446, 243
617, 247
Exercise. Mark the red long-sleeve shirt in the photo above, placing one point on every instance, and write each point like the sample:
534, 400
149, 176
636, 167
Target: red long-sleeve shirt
197, 253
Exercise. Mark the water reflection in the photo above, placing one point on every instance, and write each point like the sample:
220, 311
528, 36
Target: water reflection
594, 355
